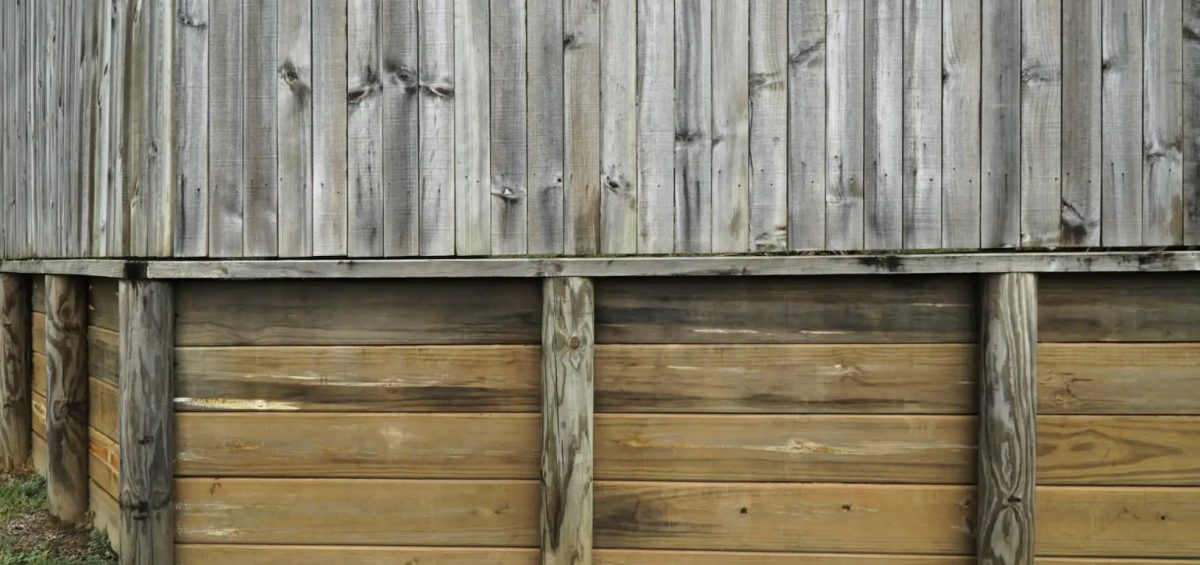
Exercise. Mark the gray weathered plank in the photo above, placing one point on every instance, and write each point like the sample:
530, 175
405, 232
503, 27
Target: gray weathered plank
294, 121
8, 158
844, 120
436, 127
544, 124
1191, 122
1079, 223
329, 160
1041, 121
364, 130
508, 189
1007, 424
191, 131
618, 127
146, 425
401, 170
731, 127
768, 125
581, 126
260, 155
226, 133
115, 241
150, 208
1162, 132
922, 124
472, 117
1000, 125
806, 124
567, 407
15, 367
1121, 135
883, 100
693, 126
66, 397
961, 47
1120, 308
655, 127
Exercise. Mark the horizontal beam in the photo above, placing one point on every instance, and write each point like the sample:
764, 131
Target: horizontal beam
773, 265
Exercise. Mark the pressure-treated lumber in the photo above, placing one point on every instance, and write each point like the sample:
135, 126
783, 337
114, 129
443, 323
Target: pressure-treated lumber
1120, 308
1119, 450
1008, 400
147, 422
567, 381
15, 371
1118, 378
66, 396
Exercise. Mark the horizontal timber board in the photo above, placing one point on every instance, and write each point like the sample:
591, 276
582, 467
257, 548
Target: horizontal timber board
103, 402
1163, 307
38, 332
1118, 378
39, 454
495, 378
1118, 522
104, 354
104, 308
104, 462
106, 514
358, 313
39, 414
903, 449
39, 376
787, 310
37, 293
1118, 450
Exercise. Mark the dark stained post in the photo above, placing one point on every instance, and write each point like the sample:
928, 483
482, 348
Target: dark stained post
147, 423
16, 421
1007, 432
66, 397
567, 352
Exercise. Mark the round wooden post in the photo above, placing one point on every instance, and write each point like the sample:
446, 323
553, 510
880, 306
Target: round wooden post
66, 397
15, 361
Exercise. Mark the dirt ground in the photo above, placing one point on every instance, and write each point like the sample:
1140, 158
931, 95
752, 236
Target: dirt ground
29, 536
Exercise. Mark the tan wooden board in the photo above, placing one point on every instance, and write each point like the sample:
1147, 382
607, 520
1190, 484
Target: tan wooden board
399, 378
39, 374
104, 463
106, 514
39, 415
38, 448
358, 313
1162, 307
38, 294
104, 307
787, 310
1118, 450
103, 402
104, 355
38, 335
1118, 522
1118, 378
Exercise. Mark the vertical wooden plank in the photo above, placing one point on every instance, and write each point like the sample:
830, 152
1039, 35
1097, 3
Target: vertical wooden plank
618, 127
146, 425
1000, 125
1041, 121
1079, 223
472, 118
544, 124
961, 36
693, 126
1162, 133
508, 189
655, 127
883, 100
437, 126
329, 127
1007, 427
806, 124
731, 127
294, 120
18, 198
15, 364
190, 85
922, 124
364, 129
103, 122
768, 125
7, 156
1191, 121
118, 97
152, 208
260, 152
401, 172
567, 407
66, 397
1121, 135
225, 115
581, 125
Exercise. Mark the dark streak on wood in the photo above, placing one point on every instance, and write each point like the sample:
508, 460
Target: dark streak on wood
15, 363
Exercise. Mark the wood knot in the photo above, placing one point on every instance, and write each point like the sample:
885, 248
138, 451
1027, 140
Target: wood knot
574, 342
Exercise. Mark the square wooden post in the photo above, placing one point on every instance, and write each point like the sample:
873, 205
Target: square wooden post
66, 397
1007, 426
16, 412
147, 423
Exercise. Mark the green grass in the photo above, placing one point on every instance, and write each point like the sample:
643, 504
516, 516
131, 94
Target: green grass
29, 537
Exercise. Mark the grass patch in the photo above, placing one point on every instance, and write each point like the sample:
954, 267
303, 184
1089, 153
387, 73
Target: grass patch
29, 536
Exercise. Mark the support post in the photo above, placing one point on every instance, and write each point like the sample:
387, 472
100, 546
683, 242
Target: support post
567, 356
147, 423
66, 397
1007, 430
16, 417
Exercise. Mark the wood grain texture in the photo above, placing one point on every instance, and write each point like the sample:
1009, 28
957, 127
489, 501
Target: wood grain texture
731, 127
472, 119
922, 124
883, 98
1162, 127
103, 406
806, 124
1000, 126
294, 120
226, 121
787, 379
1118, 450
618, 127
104, 465
399, 26
190, 86
1079, 224
107, 517
329, 111
961, 83
1141, 522
655, 91
199, 554
581, 126
147, 424
1117, 378
363, 511
1116, 308
66, 397
103, 354
260, 204
364, 129
1041, 121
786, 310
768, 126
365, 313
844, 126
437, 126
1007, 425
693, 126
104, 310
15, 371
568, 317
1121, 126
1191, 122
508, 187
374, 379
544, 124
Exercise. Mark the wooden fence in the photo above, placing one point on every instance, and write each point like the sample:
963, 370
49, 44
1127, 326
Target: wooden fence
368, 128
